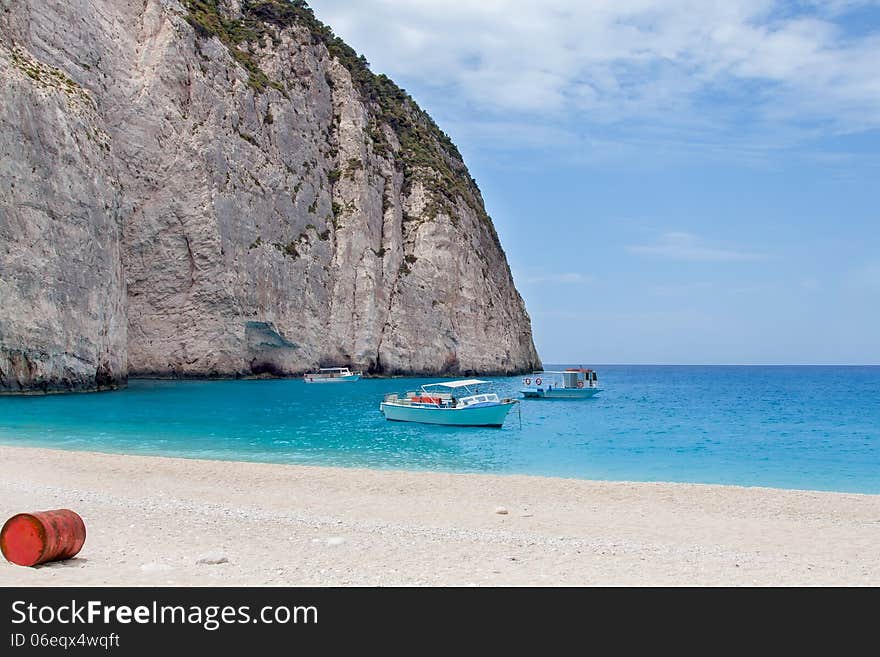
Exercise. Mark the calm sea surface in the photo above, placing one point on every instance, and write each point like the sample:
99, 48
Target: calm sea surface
786, 427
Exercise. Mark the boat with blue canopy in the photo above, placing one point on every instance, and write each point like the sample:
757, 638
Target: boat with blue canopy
571, 383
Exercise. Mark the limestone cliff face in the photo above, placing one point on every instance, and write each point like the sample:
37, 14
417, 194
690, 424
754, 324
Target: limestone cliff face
62, 294
224, 189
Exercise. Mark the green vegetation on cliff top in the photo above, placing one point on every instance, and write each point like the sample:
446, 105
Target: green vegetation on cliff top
427, 153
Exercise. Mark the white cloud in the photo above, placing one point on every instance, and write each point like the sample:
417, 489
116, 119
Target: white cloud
681, 289
607, 61
665, 319
687, 246
564, 278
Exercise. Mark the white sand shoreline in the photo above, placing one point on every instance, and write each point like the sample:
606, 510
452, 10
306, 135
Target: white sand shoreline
150, 519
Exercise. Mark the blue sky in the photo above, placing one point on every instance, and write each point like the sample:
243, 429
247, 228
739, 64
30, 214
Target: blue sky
673, 182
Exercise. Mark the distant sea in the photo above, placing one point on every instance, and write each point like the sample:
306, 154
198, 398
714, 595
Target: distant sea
815, 428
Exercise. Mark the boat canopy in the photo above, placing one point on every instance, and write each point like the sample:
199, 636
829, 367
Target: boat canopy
333, 369
455, 384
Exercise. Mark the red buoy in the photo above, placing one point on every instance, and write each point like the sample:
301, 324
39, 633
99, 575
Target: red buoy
28, 539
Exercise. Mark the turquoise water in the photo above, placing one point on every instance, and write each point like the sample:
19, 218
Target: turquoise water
786, 427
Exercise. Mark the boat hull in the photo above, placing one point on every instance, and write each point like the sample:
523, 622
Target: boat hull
476, 416
559, 393
335, 379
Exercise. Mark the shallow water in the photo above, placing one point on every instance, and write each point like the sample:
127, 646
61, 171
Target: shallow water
786, 427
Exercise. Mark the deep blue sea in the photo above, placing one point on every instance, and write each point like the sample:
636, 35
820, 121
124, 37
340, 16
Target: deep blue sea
786, 427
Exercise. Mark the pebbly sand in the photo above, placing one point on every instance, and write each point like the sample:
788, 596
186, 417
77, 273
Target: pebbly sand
152, 520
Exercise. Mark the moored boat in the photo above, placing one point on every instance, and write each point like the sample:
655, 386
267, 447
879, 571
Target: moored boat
332, 375
571, 383
455, 403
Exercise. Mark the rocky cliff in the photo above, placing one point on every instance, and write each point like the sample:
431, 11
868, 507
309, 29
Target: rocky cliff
206, 188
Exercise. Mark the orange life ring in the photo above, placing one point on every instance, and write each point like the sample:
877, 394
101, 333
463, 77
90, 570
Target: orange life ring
580, 384
527, 381
537, 382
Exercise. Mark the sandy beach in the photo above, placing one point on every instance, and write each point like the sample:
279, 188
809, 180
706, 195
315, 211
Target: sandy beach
162, 521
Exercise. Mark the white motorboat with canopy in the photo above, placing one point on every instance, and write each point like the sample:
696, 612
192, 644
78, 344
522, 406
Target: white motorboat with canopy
332, 375
458, 403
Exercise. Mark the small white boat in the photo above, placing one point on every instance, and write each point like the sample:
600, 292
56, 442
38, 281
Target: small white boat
571, 383
332, 375
456, 403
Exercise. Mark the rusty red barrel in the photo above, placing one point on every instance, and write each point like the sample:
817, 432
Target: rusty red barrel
28, 539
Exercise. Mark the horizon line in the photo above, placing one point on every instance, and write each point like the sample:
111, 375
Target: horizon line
717, 364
